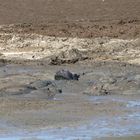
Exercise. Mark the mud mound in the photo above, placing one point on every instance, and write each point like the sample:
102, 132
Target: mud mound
69, 57
43, 90
37, 89
123, 84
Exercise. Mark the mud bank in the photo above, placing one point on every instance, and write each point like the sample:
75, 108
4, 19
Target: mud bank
38, 47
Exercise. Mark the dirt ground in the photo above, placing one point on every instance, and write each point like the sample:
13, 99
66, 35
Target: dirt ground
91, 18
34, 11
99, 40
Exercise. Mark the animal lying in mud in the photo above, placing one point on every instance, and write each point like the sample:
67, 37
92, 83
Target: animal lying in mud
37, 89
123, 84
44, 89
89, 83
66, 75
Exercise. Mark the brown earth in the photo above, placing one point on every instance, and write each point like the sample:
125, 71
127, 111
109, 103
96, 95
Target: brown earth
38, 11
90, 18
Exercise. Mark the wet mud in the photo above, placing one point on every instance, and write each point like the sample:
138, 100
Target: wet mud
69, 70
71, 114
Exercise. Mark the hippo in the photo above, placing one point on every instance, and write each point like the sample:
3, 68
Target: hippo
43, 89
66, 75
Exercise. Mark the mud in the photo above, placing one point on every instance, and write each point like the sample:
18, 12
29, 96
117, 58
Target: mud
28, 115
96, 39
30, 110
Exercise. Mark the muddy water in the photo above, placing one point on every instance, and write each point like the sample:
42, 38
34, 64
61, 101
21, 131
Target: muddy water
72, 115
124, 138
103, 126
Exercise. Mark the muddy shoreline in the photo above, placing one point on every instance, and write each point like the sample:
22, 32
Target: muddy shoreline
72, 110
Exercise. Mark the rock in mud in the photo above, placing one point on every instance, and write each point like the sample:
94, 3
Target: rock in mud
66, 75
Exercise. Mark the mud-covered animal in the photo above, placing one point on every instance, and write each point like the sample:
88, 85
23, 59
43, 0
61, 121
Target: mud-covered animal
66, 75
43, 89
96, 90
